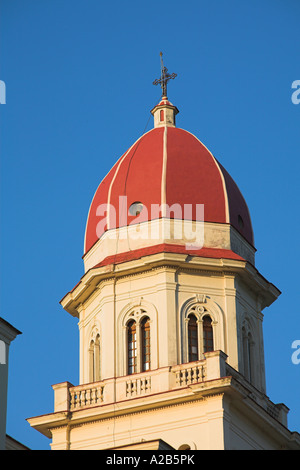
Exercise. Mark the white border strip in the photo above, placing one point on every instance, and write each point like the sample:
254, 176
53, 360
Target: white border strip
164, 174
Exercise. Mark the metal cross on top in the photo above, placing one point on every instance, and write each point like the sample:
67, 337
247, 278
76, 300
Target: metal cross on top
164, 78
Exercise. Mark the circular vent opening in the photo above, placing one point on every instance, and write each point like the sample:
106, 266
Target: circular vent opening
135, 208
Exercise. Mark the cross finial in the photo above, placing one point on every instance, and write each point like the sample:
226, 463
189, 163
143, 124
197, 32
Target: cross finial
164, 78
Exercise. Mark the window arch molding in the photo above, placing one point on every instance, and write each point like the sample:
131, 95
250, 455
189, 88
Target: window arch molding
136, 311
200, 306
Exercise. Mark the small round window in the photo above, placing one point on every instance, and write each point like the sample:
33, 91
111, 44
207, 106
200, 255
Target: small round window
184, 447
135, 208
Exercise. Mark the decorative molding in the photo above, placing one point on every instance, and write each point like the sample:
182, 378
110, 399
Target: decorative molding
201, 298
148, 410
176, 265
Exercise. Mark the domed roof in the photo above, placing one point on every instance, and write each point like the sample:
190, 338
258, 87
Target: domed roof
166, 165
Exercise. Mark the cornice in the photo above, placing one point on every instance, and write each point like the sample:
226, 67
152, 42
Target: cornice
177, 263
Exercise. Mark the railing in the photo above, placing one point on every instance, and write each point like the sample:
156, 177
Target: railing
190, 374
214, 366
139, 386
86, 395
70, 398
123, 388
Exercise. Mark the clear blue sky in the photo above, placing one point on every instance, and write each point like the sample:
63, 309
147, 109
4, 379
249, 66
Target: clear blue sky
79, 90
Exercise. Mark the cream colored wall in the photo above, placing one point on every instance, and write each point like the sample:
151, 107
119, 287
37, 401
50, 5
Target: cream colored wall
249, 312
169, 117
245, 431
214, 422
129, 409
198, 424
164, 230
165, 294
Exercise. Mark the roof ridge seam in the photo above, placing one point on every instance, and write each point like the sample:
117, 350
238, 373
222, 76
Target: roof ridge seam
164, 173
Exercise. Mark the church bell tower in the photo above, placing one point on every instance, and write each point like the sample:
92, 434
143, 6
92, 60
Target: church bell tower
169, 308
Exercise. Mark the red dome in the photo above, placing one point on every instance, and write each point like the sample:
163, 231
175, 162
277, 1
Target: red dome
167, 165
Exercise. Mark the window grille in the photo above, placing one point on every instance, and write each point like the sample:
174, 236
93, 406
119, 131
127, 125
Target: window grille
132, 349
193, 339
146, 357
208, 340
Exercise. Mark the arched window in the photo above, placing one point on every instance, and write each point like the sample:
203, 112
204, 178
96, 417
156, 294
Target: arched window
146, 357
137, 334
94, 360
248, 354
97, 359
201, 318
91, 361
131, 347
208, 339
193, 339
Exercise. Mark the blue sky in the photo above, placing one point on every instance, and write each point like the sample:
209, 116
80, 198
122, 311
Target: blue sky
78, 77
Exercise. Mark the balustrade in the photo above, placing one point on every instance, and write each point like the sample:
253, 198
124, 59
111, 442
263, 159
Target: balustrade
190, 374
124, 388
86, 395
138, 386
